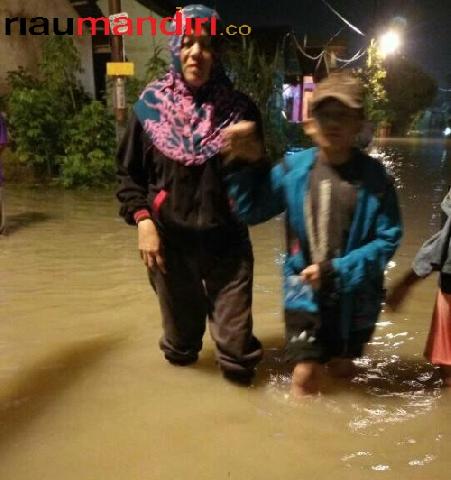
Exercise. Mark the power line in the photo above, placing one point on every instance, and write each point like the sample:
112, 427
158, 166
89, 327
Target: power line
356, 57
303, 51
343, 19
320, 56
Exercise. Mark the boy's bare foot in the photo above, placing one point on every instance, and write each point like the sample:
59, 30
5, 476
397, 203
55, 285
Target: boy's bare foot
304, 380
342, 368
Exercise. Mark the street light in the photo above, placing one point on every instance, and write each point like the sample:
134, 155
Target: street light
389, 43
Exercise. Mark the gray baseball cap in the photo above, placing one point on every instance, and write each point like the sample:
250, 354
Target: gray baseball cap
344, 87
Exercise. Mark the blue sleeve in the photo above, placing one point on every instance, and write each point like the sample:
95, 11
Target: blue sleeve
257, 194
370, 260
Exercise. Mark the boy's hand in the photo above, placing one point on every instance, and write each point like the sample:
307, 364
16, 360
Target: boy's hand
312, 276
397, 295
149, 245
242, 141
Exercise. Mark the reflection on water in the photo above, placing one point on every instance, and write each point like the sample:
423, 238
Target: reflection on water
85, 393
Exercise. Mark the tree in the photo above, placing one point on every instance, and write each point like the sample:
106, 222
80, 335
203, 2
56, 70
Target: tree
39, 107
57, 129
410, 90
89, 158
155, 68
259, 75
373, 77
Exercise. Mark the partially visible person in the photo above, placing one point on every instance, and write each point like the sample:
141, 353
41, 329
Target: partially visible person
433, 256
343, 226
3, 145
183, 130
365, 136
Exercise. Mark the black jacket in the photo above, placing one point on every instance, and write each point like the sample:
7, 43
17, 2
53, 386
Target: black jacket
195, 200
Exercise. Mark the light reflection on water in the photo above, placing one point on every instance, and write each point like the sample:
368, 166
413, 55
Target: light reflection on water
71, 274
400, 389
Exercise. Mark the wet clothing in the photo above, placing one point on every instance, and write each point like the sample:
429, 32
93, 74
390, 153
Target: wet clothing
170, 169
340, 318
438, 345
314, 337
203, 281
329, 210
191, 209
435, 255
177, 196
328, 229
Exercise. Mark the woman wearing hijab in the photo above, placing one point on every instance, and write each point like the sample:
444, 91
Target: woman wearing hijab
183, 130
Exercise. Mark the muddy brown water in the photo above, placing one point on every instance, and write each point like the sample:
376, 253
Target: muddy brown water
85, 393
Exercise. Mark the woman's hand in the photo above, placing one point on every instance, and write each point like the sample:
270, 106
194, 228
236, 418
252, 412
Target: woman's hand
312, 276
242, 141
149, 245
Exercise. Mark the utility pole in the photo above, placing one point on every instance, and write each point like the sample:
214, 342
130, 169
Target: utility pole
117, 56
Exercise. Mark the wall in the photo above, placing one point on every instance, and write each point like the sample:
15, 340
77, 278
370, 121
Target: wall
17, 50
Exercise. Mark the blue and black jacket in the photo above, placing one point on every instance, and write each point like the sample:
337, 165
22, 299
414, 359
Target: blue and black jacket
375, 234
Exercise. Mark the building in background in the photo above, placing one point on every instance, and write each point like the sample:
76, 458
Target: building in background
25, 50
305, 65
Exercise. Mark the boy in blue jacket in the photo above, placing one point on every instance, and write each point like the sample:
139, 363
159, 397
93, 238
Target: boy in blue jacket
343, 226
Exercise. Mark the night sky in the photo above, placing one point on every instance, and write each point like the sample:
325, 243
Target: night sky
427, 36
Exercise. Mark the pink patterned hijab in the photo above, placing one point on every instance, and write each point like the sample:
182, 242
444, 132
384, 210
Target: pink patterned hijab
184, 125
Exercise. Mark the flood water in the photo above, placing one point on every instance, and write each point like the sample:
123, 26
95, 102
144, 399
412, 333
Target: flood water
86, 395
